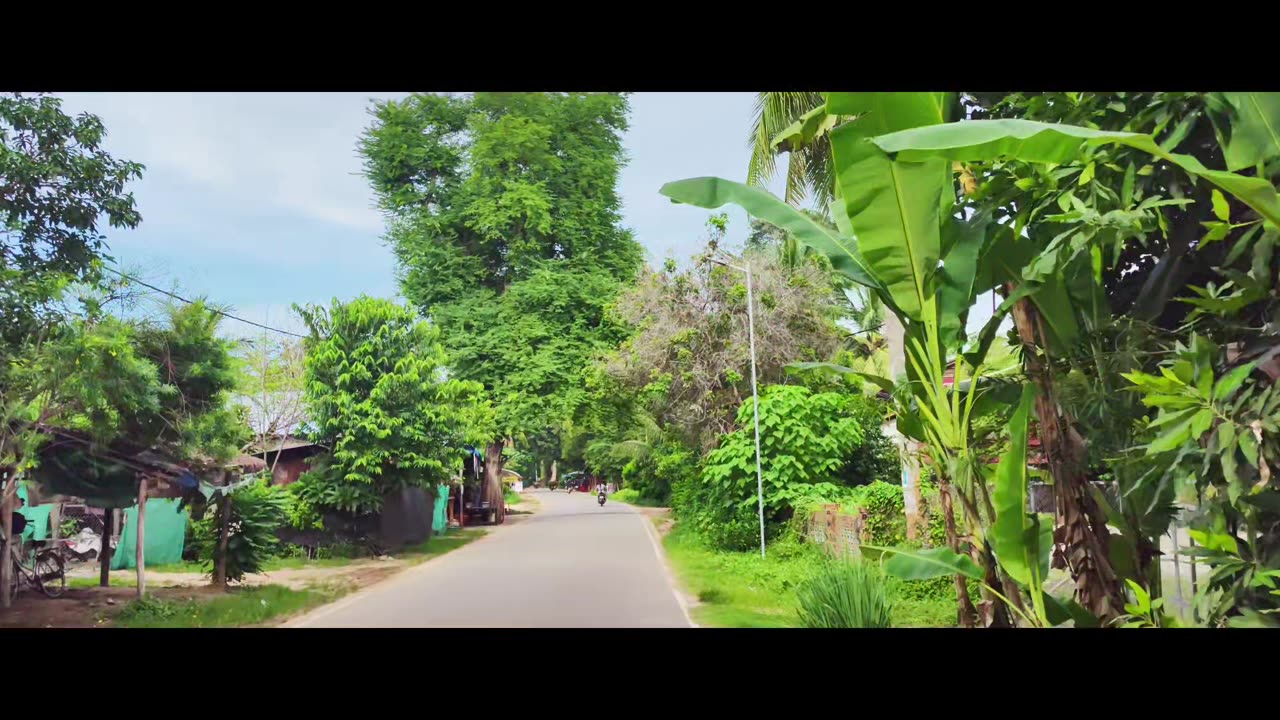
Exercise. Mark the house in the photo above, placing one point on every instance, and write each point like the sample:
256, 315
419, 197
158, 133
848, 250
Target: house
287, 457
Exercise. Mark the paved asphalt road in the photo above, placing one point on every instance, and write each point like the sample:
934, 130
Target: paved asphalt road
572, 564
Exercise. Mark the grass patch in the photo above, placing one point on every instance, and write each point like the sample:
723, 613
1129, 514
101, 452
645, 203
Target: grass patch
743, 590
440, 544
631, 497
186, 566
237, 608
116, 580
511, 497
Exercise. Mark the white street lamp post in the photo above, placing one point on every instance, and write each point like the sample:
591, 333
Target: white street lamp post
755, 397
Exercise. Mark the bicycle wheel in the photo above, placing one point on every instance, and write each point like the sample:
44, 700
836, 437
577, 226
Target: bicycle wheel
51, 573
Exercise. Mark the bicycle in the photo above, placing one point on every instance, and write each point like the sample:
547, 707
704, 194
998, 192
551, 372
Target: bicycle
47, 573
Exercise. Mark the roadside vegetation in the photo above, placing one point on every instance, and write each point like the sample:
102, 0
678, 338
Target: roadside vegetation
1125, 243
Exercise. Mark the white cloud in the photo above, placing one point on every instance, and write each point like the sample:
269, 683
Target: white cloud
296, 151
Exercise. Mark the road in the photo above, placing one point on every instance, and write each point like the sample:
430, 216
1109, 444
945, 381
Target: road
572, 564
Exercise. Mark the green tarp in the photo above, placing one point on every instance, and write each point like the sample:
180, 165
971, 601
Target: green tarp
166, 533
441, 521
37, 517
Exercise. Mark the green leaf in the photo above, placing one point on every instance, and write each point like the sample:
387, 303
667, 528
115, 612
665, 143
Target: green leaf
712, 193
894, 210
1249, 447
924, 564
1060, 611
1255, 129
811, 126
1008, 535
1232, 380
879, 381
966, 240
1086, 175
1126, 189
1220, 208
1029, 141
884, 112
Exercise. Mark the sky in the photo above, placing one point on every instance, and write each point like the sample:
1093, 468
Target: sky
256, 200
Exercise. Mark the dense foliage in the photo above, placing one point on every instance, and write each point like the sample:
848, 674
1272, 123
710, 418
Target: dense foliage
689, 358
810, 445
380, 400
257, 511
58, 186
506, 226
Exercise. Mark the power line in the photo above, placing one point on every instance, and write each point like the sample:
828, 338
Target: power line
192, 302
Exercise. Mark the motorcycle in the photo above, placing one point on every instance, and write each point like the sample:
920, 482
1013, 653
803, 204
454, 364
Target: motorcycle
600, 497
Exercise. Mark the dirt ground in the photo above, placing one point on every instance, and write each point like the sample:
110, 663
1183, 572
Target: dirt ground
660, 517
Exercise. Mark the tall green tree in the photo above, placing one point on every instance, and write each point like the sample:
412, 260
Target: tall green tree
505, 221
380, 398
57, 186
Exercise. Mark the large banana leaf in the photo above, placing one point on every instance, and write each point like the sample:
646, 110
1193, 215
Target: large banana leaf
879, 381
963, 243
1020, 542
885, 112
1030, 141
893, 208
923, 564
712, 193
1255, 129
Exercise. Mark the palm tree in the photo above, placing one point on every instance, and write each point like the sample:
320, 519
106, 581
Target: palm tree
808, 168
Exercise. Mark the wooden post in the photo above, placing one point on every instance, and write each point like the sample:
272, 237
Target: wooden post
140, 555
104, 553
55, 522
6, 563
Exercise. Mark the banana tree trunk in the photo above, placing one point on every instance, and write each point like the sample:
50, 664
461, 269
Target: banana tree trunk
968, 614
1082, 532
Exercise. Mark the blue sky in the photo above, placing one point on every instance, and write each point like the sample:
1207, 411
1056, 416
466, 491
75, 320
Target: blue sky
256, 199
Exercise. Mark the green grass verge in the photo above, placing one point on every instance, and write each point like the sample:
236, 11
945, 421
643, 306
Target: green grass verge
440, 544
237, 608
743, 590
631, 497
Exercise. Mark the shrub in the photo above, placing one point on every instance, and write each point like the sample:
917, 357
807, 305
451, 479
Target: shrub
626, 495
257, 511
844, 595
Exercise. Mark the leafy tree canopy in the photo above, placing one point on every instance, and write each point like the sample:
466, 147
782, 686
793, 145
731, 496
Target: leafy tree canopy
381, 400
505, 221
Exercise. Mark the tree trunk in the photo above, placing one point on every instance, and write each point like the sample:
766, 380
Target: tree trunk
554, 474
968, 614
1082, 529
139, 552
493, 473
104, 553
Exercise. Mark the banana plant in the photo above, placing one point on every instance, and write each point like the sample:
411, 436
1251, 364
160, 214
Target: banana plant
899, 235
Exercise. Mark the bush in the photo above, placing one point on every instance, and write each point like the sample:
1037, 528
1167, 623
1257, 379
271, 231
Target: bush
626, 495
257, 511
844, 595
